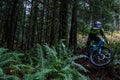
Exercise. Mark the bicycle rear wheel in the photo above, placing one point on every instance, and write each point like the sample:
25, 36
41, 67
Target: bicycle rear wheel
102, 59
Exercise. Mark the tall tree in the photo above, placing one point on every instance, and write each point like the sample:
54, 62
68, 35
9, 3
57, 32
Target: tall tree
32, 25
73, 30
33, 22
11, 24
63, 29
55, 24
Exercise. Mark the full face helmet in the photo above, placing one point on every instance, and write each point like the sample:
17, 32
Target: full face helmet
98, 24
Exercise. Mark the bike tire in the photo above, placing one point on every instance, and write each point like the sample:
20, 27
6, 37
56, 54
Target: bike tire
100, 63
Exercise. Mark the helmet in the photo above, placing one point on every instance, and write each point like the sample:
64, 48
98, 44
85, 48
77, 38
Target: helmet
98, 24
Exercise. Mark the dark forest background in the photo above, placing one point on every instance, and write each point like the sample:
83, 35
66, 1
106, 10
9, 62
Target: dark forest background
23, 23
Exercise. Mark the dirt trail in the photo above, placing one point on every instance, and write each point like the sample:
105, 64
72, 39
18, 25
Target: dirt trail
98, 73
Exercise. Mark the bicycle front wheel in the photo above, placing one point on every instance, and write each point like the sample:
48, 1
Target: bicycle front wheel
102, 59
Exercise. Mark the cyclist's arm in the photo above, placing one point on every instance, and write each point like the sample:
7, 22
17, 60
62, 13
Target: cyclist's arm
103, 35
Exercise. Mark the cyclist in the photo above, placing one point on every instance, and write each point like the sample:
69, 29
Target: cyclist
95, 31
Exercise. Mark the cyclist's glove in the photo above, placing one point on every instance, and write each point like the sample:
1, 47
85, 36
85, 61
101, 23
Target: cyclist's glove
107, 42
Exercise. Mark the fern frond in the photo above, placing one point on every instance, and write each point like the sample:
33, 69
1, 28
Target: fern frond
1, 72
40, 75
51, 52
9, 77
40, 55
2, 50
28, 77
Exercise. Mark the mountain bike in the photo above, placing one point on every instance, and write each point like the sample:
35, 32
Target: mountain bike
99, 55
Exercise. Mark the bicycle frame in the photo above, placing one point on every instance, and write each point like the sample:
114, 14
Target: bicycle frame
99, 45
97, 55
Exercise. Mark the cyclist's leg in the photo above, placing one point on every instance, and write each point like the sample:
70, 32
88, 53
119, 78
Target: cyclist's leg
96, 39
89, 40
88, 46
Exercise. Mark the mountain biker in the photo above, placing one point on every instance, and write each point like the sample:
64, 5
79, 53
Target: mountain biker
95, 31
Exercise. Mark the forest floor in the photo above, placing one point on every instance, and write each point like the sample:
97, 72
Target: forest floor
99, 73
109, 72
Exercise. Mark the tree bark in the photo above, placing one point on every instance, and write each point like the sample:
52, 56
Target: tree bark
11, 28
63, 29
73, 30
54, 28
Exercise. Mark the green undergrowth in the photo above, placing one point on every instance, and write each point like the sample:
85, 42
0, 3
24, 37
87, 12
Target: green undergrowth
40, 63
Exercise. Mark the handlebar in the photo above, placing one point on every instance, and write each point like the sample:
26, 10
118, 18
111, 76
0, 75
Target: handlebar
104, 40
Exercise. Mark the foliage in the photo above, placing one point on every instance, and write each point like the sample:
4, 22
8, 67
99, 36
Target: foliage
115, 65
109, 27
83, 27
106, 11
59, 67
40, 63
115, 47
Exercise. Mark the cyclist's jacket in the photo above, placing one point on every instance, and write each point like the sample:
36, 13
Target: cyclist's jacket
96, 32
94, 35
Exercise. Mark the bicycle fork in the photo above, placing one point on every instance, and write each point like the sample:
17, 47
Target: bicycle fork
101, 56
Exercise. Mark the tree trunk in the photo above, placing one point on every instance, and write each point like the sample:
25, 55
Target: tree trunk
32, 28
54, 28
11, 28
73, 30
63, 29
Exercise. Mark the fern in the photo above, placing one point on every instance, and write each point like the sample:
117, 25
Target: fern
23, 68
60, 66
41, 75
40, 56
9, 77
42, 63
51, 52
10, 58
28, 77
2, 50
1, 72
